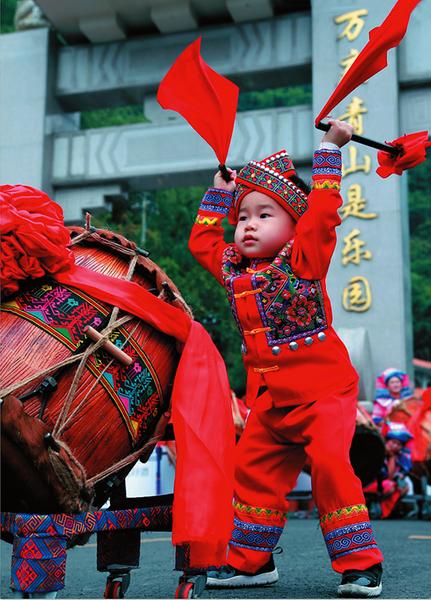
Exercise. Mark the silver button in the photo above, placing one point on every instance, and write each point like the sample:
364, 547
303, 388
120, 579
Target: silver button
276, 350
308, 340
321, 336
293, 346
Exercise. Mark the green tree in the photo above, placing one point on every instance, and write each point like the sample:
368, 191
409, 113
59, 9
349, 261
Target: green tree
110, 117
7, 13
271, 98
420, 256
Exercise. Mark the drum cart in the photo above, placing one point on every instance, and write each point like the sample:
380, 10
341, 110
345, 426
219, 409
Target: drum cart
98, 362
40, 544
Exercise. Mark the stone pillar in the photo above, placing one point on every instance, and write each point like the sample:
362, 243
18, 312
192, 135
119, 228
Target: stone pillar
23, 94
369, 277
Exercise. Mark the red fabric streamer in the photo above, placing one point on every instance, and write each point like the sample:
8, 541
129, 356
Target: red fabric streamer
204, 98
413, 153
373, 57
201, 403
33, 236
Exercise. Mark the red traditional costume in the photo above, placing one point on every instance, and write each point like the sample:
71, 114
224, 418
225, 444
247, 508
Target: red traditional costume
301, 384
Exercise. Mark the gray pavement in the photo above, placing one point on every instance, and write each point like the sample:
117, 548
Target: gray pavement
304, 566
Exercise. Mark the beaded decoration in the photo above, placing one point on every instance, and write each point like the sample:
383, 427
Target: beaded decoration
271, 177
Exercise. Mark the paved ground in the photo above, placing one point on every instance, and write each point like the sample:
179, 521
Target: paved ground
304, 566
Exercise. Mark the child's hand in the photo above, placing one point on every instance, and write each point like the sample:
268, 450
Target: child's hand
340, 133
221, 184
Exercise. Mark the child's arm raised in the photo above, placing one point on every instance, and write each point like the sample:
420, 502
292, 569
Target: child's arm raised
206, 241
315, 236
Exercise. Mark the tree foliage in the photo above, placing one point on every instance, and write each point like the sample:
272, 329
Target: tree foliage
111, 117
420, 257
7, 13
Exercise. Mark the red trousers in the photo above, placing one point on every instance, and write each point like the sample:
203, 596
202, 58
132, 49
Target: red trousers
270, 455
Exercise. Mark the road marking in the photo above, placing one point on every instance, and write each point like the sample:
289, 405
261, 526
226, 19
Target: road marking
419, 537
149, 541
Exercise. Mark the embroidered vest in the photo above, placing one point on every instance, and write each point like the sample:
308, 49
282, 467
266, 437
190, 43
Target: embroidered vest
291, 307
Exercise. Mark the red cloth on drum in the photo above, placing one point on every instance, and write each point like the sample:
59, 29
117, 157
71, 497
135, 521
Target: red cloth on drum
269, 457
201, 416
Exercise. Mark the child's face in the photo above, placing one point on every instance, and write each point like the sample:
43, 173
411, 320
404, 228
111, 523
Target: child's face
263, 226
393, 447
394, 385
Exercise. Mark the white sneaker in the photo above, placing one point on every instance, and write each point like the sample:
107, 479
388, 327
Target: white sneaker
228, 577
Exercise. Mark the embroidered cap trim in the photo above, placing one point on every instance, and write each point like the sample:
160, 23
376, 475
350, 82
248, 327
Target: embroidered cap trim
271, 176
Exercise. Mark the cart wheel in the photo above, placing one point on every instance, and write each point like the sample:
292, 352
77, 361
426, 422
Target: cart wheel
185, 590
114, 589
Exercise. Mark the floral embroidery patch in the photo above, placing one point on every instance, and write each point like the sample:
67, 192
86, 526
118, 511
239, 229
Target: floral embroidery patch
291, 307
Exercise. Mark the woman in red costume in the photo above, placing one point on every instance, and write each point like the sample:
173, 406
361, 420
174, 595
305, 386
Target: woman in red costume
301, 385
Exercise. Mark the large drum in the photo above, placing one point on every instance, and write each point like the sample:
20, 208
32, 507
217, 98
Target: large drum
91, 415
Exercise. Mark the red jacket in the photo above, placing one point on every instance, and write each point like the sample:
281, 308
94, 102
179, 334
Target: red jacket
281, 305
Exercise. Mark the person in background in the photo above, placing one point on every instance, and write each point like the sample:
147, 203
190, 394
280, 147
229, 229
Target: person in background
392, 386
394, 482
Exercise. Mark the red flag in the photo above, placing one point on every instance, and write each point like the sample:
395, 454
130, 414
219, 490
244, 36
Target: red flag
373, 57
413, 151
204, 98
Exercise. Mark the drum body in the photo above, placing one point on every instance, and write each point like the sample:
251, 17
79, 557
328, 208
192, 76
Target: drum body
113, 409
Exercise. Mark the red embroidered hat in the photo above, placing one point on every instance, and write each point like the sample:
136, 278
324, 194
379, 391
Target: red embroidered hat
271, 177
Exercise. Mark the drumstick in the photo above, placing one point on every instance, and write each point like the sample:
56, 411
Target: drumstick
111, 348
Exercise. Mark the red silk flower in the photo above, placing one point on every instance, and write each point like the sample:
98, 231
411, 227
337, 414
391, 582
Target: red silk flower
413, 147
33, 236
206, 100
